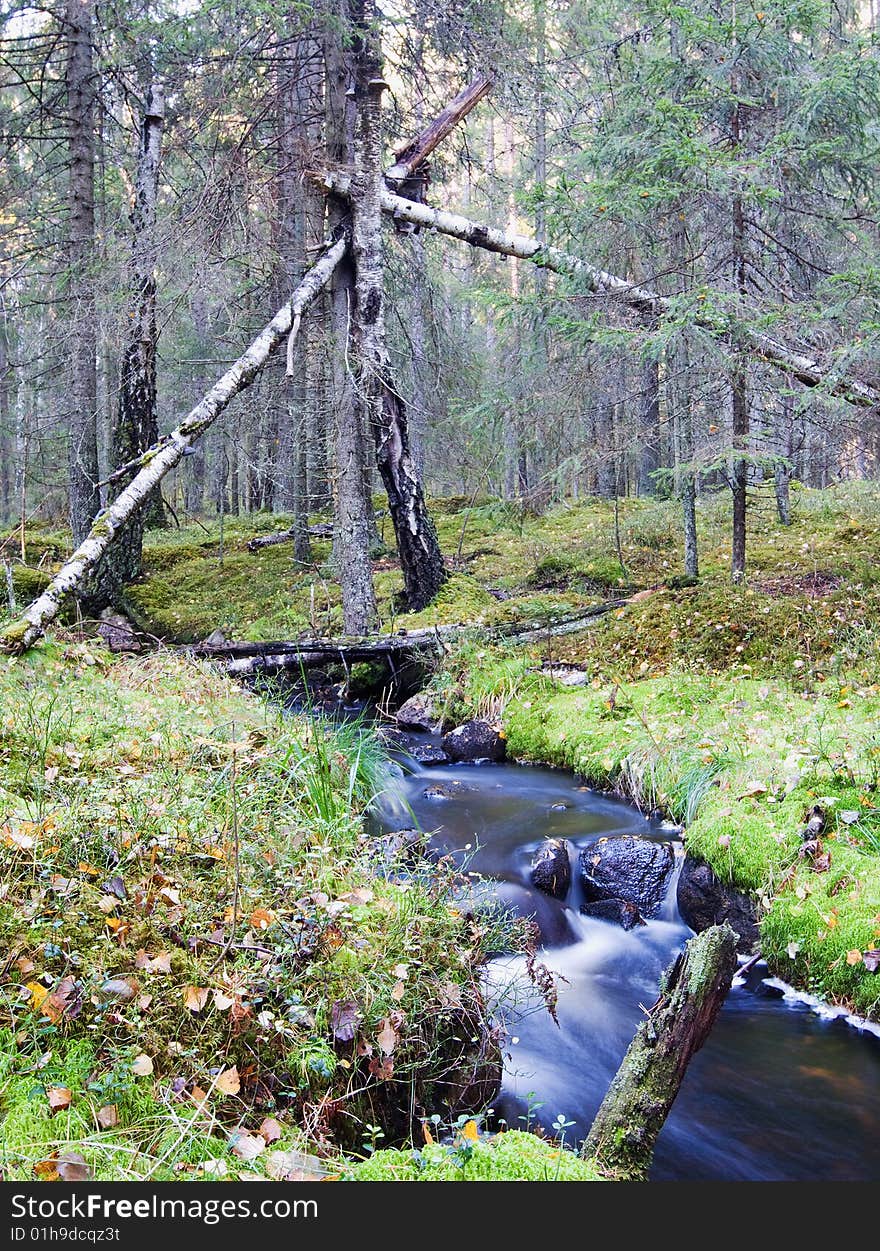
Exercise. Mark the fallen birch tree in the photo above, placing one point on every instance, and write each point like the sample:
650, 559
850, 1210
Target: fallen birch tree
807, 370
158, 461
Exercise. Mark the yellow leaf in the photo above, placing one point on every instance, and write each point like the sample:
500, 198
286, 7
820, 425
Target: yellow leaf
228, 1083
428, 1136
470, 1131
38, 993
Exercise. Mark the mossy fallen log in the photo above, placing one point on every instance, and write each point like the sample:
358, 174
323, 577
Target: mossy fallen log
622, 1138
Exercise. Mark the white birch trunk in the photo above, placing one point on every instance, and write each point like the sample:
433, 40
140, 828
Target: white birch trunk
156, 463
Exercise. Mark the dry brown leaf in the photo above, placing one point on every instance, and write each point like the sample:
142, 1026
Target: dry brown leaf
195, 997
398, 990
262, 918
387, 1038
59, 1098
108, 1116
270, 1130
228, 1083
72, 1167
47, 1170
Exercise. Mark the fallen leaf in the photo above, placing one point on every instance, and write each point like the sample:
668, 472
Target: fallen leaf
47, 1170
247, 1146
822, 863
115, 886
470, 1132
122, 988
270, 1130
195, 997
398, 990
752, 790
39, 993
871, 960
262, 918
214, 1168
792, 949
344, 1019
222, 1001
849, 817
142, 1066
108, 1116
228, 1083
293, 1166
854, 956
427, 1135
59, 1098
387, 1038
72, 1167
382, 1069
108, 904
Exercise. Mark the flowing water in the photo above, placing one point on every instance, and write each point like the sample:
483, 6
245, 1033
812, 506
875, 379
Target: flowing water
779, 1092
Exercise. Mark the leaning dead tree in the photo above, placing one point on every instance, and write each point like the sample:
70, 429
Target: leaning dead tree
158, 461
629, 1120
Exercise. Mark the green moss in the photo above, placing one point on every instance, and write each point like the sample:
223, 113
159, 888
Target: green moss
123, 767
512, 1156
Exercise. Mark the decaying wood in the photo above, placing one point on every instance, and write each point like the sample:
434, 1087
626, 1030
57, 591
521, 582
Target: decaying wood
156, 463
807, 370
644, 1088
272, 657
414, 154
323, 530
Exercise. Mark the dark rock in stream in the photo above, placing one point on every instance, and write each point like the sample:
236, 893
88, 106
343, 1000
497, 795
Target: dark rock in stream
425, 750
475, 740
552, 920
704, 900
635, 870
419, 713
397, 854
619, 911
551, 868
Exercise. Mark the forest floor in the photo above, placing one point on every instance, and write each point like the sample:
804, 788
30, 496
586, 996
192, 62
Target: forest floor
736, 709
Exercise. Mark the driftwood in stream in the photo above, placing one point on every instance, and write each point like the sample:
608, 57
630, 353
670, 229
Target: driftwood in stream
158, 461
641, 1095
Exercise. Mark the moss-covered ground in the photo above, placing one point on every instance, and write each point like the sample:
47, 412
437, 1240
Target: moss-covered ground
734, 708
193, 935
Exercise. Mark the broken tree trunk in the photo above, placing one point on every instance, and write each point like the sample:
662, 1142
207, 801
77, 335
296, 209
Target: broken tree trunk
420, 557
410, 158
135, 427
639, 1098
157, 462
808, 371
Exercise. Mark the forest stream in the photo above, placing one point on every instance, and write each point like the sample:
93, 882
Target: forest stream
783, 1090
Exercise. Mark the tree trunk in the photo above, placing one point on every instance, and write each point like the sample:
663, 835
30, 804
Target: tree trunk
351, 540
158, 461
623, 1135
378, 404
649, 429
136, 428
85, 498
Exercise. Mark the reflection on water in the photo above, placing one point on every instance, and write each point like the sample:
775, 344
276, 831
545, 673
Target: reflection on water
777, 1093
